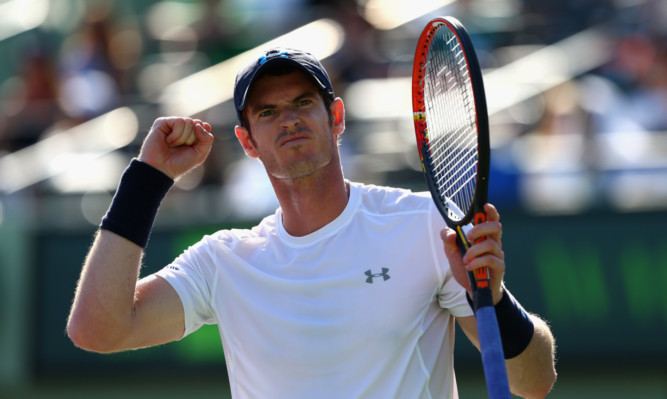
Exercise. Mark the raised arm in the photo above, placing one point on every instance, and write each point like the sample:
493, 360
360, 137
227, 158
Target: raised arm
527, 340
532, 373
113, 310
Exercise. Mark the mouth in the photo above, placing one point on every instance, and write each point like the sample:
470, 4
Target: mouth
293, 138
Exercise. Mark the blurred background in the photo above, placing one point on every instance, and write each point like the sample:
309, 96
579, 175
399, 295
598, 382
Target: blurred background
577, 94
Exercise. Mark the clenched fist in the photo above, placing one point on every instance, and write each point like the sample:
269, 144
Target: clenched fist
176, 145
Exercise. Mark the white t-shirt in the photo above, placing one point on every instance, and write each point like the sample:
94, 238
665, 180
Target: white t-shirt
361, 308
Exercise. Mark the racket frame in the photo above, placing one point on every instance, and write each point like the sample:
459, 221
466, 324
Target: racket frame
481, 118
489, 334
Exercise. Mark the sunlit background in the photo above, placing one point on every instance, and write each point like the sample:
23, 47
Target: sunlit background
577, 95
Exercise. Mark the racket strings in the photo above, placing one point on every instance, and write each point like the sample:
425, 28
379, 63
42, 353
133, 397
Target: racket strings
451, 123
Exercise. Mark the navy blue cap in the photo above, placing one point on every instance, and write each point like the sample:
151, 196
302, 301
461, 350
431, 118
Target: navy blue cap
305, 61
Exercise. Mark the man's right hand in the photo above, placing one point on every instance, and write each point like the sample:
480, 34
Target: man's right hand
176, 145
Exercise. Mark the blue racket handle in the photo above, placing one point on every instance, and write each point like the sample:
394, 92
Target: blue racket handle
493, 359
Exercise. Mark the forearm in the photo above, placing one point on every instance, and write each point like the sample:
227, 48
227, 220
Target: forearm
528, 345
112, 310
532, 373
104, 302
103, 307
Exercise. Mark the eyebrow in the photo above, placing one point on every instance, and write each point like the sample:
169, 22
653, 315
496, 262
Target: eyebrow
263, 106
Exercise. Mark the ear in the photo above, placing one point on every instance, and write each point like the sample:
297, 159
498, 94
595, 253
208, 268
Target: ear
246, 141
338, 110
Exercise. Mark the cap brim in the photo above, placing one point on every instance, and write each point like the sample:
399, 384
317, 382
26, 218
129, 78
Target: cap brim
272, 63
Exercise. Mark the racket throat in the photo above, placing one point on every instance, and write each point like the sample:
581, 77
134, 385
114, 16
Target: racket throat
461, 240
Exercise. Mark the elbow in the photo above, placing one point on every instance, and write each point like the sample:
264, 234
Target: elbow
538, 392
81, 338
541, 392
540, 387
548, 382
89, 337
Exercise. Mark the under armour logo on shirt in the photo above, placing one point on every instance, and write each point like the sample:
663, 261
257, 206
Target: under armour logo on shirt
372, 275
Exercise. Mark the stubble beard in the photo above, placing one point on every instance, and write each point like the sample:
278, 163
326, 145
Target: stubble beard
301, 165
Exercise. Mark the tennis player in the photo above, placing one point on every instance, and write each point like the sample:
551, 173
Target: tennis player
348, 291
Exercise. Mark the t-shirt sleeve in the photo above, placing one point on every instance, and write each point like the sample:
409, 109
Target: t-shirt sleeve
451, 296
188, 275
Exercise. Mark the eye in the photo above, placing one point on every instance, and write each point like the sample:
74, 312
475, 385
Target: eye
304, 102
265, 113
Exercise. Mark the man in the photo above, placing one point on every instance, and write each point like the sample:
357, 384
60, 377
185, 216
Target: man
345, 292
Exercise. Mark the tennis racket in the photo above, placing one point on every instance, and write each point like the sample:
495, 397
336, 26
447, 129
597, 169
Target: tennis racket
452, 129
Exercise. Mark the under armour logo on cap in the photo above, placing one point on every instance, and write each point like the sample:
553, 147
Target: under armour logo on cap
271, 54
385, 276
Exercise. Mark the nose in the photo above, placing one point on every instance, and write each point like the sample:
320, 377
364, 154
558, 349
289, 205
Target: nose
289, 117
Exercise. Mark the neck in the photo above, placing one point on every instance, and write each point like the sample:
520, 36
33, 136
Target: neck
310, 203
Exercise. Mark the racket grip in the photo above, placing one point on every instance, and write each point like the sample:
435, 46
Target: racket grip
491, 349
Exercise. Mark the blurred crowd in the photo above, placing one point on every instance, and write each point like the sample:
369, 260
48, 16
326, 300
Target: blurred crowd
89, 57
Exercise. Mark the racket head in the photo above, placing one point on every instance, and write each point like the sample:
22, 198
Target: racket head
451, 120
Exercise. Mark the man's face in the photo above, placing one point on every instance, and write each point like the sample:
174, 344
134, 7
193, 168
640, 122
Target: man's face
292, 133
